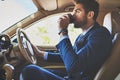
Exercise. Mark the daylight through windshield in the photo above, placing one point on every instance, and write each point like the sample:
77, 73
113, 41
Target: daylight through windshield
12, 11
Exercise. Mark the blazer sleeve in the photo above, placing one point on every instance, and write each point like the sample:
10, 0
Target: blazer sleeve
90, 56
54, 57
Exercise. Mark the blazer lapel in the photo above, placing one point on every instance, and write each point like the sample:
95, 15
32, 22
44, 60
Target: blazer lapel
82, 39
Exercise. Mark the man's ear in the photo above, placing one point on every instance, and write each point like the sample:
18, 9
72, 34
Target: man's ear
90, 14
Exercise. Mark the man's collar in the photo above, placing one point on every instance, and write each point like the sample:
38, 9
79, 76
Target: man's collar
87, 30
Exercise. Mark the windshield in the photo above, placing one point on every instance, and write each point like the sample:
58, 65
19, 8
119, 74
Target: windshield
12, 11
41, 33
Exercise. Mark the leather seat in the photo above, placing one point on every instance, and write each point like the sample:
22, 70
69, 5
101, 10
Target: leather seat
111, 67
112, 21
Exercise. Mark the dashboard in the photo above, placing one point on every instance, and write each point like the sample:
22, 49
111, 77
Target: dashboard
5, 49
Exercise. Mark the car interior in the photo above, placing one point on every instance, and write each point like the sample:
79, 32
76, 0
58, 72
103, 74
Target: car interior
111, 66
15, 45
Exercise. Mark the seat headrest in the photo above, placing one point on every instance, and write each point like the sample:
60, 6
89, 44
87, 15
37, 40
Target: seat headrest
112, 21
108, 22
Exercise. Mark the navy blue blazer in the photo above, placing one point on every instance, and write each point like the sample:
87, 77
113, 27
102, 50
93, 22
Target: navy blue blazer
84, 59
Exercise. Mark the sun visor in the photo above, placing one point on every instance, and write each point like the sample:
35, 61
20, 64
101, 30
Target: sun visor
48, 4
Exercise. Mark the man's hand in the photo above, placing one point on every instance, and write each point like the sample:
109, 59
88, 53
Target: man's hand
37, 51
63, 22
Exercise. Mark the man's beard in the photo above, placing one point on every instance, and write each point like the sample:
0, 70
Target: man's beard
80, 24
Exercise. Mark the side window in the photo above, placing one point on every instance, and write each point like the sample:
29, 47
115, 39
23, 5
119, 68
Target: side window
45, 31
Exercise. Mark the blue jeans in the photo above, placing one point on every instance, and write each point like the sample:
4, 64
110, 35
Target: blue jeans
34, 72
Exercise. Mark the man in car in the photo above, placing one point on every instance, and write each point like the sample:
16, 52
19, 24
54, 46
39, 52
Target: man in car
91, 48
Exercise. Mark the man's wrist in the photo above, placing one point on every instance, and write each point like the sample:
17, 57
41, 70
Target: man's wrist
63, 31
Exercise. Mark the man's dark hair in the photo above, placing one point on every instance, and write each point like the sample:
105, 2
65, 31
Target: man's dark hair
89, 5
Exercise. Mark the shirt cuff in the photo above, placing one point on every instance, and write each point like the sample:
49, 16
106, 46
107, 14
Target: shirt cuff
45, 55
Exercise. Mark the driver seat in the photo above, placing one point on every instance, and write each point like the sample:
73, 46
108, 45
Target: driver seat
111, 68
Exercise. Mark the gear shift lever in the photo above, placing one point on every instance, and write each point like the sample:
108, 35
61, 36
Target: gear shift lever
9, 70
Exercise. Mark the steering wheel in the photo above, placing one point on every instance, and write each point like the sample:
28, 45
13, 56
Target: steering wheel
25, 46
